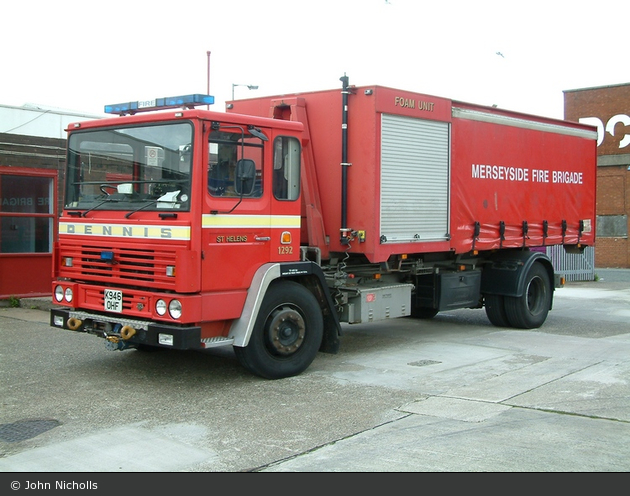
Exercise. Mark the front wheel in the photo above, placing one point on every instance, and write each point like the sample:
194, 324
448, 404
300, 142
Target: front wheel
287, 334
530, 310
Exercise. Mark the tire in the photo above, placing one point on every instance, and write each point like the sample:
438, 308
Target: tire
495, 310
530, 310
287, 334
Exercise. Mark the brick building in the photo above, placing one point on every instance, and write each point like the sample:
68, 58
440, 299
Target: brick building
32, 159
608, 108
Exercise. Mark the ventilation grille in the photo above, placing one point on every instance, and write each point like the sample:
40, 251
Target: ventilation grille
128, 266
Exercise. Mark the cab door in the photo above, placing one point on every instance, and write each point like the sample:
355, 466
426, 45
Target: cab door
236, 228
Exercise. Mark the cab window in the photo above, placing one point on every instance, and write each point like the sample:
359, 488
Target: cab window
286, 168
231, 152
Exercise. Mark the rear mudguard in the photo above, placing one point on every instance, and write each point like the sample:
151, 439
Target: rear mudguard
506, 272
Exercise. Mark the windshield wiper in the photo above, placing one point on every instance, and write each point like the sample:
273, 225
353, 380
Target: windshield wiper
98, 205
170, 197
140, 208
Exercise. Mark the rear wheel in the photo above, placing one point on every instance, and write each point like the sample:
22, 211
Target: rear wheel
495, 310
287, 333
530, 310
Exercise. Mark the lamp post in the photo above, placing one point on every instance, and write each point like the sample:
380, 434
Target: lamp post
249, 87
208, 89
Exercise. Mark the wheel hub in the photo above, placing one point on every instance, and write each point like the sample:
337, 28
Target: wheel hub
286, 331
534, 291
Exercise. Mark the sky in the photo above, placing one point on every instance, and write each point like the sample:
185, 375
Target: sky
80, 55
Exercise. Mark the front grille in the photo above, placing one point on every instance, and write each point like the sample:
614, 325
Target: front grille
141, 267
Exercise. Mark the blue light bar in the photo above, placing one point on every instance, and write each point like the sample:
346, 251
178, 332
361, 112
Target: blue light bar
187, 101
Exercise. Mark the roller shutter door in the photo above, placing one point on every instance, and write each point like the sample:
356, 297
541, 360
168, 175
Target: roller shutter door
415, 167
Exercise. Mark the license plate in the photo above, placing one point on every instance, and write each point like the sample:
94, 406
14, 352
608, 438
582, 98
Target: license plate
113, 300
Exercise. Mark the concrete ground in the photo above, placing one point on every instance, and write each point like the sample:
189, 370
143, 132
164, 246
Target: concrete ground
450, 394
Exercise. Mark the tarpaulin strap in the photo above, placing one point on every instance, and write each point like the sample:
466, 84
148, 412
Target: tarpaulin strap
564, 229
476, 234
545, 231
501, 232
580, 231
525, 231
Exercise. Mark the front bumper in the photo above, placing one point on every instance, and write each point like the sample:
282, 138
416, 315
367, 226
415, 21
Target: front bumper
128, 333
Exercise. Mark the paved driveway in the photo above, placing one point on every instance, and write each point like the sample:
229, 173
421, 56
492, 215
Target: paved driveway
450, 394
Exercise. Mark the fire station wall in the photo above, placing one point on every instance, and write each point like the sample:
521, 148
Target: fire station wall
28, 165
608, 108
36, 153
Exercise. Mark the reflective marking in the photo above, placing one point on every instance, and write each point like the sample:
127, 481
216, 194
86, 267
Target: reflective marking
125, 231
240, 221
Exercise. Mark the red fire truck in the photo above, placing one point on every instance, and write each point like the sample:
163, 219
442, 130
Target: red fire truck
268, 226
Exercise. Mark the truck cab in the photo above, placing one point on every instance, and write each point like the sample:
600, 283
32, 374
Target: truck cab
168, 217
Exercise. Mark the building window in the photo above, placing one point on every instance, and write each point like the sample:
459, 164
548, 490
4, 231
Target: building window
26, 213
612, 226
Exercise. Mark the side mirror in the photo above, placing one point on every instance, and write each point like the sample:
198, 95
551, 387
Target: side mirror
245, 177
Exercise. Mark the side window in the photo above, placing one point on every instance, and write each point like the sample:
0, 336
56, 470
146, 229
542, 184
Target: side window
26, 213
286, 168
230, 153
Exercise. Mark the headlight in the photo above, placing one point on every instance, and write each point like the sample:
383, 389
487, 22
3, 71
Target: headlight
58, 293
160, 307
68, 294
175, 309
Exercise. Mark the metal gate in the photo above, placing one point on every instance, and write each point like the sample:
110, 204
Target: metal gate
574, 267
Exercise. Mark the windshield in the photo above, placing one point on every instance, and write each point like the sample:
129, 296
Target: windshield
130, 168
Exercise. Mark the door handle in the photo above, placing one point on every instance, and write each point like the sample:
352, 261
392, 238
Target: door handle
262, 238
